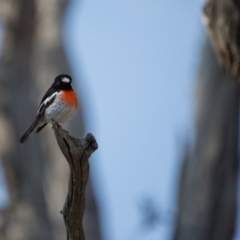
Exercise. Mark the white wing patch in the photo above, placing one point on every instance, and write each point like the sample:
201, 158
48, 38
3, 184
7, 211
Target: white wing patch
65, 79
46, 103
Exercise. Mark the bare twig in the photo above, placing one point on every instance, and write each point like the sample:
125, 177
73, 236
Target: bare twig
77, 152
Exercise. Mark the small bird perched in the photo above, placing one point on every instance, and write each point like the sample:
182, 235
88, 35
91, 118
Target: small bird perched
58, 104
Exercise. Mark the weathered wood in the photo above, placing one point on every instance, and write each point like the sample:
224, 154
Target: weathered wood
222, 19
77, 152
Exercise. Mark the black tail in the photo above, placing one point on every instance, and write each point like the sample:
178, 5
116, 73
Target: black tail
26, 135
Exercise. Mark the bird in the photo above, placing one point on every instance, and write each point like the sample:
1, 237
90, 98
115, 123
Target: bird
59, 104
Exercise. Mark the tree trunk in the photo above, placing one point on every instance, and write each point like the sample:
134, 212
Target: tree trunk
36, 173
208, 188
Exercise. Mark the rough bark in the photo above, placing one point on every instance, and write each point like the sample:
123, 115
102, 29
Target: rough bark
36, 174
208, 188
223, 22
77, 152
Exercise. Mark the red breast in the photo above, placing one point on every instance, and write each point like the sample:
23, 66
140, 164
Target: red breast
70, 98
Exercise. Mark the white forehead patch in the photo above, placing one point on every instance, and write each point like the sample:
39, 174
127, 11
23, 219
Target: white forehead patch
66, 80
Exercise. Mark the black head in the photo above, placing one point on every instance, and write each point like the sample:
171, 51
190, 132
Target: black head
63, 81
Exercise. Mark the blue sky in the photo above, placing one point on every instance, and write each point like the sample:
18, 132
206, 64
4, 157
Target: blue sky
136, 64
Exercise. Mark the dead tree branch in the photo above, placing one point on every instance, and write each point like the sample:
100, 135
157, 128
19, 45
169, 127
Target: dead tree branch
77, 152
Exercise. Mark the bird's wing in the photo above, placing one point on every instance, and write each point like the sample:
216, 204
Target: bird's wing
46, 102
